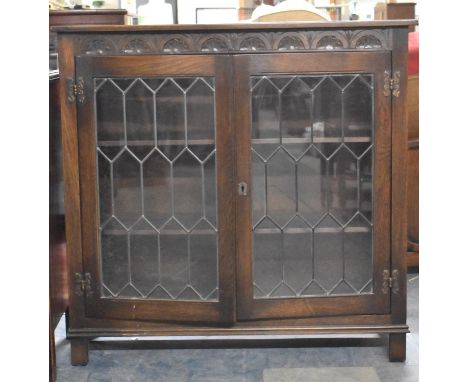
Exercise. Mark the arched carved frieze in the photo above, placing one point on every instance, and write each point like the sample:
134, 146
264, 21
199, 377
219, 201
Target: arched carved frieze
368, 39
368, 42
330, 40
168, 43
102, 46
137, 46
177, 44
257, 42
291, 41
215, 44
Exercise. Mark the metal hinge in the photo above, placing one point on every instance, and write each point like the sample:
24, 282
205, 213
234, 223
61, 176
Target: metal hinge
75, 91
391, 84
83, 284
390, 282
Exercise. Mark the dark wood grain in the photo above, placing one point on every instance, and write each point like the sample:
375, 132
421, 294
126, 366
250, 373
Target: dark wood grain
412, 254
87, 17
130, 51
242, 331
313, 63
150, 66
225, 167
221, 312
244, 210
72, 197
397, 347
399, 171
79, 351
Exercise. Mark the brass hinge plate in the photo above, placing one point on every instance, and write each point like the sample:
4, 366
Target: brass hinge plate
390, 282
75, 91
83, 284
392, 83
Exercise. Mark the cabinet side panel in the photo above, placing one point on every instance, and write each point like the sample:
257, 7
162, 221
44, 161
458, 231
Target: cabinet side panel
399, 168
66, 49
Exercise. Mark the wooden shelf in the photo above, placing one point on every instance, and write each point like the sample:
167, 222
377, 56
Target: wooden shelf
313, 140
163, 142
199, 142
262, 231
316, 230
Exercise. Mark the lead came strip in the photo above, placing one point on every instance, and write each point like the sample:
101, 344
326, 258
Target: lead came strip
312, 135
152, 190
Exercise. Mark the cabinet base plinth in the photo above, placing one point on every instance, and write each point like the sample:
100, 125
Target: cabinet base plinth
238, 335
397, 347
79, 351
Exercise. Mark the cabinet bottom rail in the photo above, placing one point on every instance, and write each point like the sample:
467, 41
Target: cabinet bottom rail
298, 337
233, 332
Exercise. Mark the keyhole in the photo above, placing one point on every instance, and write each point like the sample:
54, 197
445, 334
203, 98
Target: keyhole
242, 188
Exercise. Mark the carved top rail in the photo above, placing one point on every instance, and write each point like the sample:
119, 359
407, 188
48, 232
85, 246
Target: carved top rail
235, 38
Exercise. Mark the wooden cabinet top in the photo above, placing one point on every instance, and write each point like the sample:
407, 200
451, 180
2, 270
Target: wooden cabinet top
235, 38
68, 12
312, 25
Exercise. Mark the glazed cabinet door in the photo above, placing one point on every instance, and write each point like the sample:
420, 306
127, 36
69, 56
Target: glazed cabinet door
313, 173
156, 172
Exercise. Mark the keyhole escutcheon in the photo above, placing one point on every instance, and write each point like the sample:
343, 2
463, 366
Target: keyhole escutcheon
243, 189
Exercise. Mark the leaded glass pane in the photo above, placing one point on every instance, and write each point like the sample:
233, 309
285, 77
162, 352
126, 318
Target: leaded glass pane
144, 259
265, 118
174, 258
156, 167
202, 243
258, 188
328, 256
170, 119
357, 252
126, 188
200, 113
114, 259
209, 191
312, 165
110, 115
297, 247
281, 188
158, 188
268, 257
139, 116
188, 190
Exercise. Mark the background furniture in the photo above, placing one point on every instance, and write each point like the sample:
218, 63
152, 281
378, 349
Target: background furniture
290, 10
297, 228
87, 17
58, 280
58, 283
334, 11
80, 17
395, 11
246, 7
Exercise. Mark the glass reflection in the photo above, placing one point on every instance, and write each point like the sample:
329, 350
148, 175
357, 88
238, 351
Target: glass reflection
156, 165
312, 147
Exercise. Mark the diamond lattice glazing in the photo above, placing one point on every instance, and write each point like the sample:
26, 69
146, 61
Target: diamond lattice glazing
156, 164
312, 148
